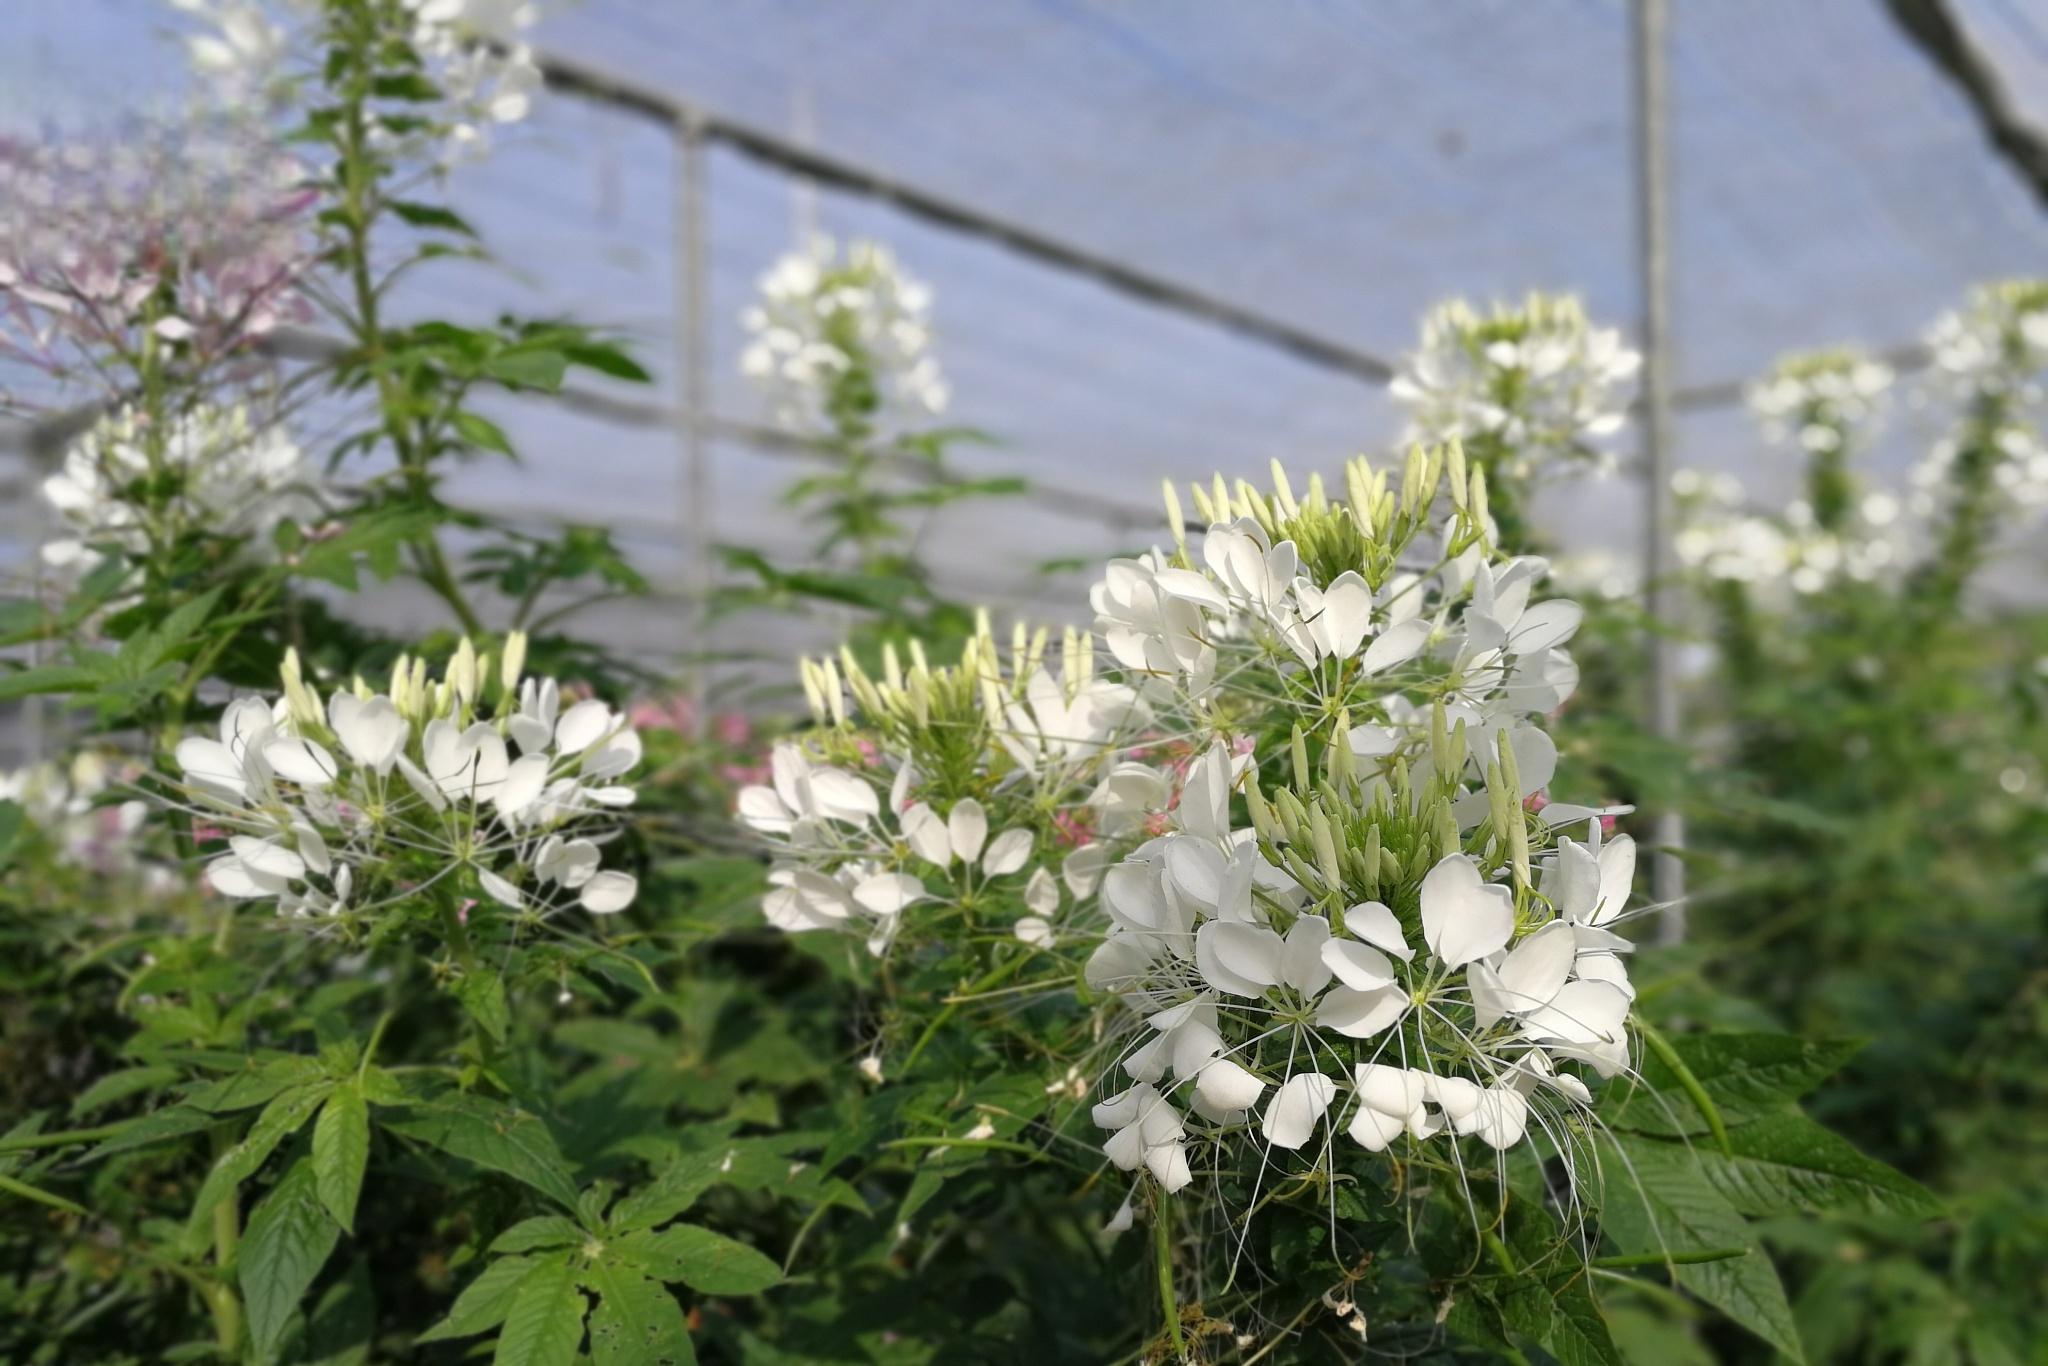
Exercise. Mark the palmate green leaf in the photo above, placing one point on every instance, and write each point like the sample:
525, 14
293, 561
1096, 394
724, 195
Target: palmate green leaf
254, 1084
1746, 1075
341, 1149
495, 1136
49, 678
484, 1302
288, 1240
1658, 1201
1785, 1161
637, 1323
284, 1116
173, 1121
703, 1260
545, 1324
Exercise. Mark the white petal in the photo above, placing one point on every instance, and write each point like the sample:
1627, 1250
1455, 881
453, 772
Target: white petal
609, 892
1358, 966
1290, 1119
1395, 1091
1169, 1162
1034, 930
370, 729
1302, 965
1535, 968
270, 860
498, 889
524, 781
967, 828
889, 893
1007, 853
427, 790
1240, 959
842, 797
1347, 611
1223, 1085
1082, 870
1395, 645
582, 726
1361, 1014
230, 877
1374, 1131
926, 835
1042, 893
1617, 876
300, 761
1463, 917
1378, 926
1544, 625
210, 762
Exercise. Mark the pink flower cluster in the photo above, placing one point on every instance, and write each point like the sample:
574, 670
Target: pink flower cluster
201, 239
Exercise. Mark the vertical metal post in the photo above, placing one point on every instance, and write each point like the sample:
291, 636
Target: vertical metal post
1653, 229
693, 357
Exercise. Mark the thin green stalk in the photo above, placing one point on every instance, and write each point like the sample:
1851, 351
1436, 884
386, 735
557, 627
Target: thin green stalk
1162, 1251
62, 1138
225, 1305
1702, 1102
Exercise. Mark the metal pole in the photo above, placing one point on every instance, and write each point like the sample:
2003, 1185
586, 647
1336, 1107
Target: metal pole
693, 348
1667, 881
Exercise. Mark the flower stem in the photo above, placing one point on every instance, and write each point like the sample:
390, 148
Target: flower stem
1702, 1102
227, 1233
1162, 1248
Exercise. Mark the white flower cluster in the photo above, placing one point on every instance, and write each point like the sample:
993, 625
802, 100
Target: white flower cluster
1819, 400
66, 803
1722, 542
372, 798
824, 320
1993, 355
1539, 380
233, 478
973, 780
474, 50
1272, 993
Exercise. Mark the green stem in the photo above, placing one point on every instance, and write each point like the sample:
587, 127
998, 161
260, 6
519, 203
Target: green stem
1702, 1102
1691, 1258
62, 1138
1162, 1250
227, 1232
990, 979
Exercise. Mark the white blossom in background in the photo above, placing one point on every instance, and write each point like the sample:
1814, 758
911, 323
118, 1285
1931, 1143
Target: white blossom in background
1992, 357
235, 477
825, 317
337, 808
1720, 540
68, 802
1817, 400
476, 51
1539, 380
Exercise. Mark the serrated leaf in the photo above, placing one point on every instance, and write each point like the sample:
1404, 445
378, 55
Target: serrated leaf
671, 1192
541, 1231
1785, 1161
637, 1323
1657, 1201
484, 1302
494, 1136
288, 1240
545, 1325
173, 1121
341, 1149
118, 1086
528, 368
283, 1117
1578, 1333
1746, 1075
483, 995
703, 1260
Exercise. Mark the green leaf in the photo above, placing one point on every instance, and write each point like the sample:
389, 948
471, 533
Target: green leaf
528, 368
47, 679
1578, 1333
482, 433
545, 1325
341, 1149
484, 1302
541, 1231
1658, 1201
1746, 1075
118, 1086
173, 1121
431, 216
494, 1136
706, 1261
280, 1119
637, 1323
1786, 1161
10, 1186
483, 995
670, 1193
288, 1240
13, 820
